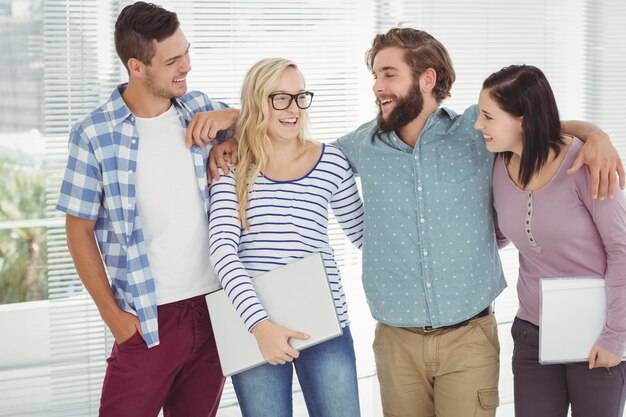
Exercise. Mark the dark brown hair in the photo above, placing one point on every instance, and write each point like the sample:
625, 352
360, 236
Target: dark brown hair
138, 26
421, 51
524, 91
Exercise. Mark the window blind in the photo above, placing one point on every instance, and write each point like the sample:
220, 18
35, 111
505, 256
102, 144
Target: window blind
73, 86
605, 66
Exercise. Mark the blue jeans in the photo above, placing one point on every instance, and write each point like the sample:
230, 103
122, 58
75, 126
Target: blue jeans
327, 375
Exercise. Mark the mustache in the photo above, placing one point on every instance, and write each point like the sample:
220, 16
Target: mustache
378, 100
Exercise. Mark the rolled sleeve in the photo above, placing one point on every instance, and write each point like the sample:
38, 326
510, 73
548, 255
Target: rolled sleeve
81, 189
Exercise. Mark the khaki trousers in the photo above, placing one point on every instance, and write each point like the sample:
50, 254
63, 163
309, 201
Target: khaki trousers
442, 373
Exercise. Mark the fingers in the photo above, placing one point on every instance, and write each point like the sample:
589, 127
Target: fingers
605, 167
615, 173
292, 353
208, 132
201, 133
602, 358
286, 354
280, 358
578, 162
297, 335
603, 184
592, 359
608, 180
282, 354
201, 129
620, 173
604, 363
188, 133
204, 132
607, 359
612, 180
594, 182
138, 327
213, 174
274, 343
221, 162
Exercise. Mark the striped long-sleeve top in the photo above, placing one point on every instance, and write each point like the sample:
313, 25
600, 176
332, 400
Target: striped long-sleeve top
288, 220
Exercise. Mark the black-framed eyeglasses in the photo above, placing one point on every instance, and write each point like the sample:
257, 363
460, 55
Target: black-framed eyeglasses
281, 101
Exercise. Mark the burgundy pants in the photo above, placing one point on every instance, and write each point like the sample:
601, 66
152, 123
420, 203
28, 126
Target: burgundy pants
182, 374
548, 390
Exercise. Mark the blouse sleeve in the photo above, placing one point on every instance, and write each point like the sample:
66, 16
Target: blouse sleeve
609, 216
347, 205
501, 240
224, 235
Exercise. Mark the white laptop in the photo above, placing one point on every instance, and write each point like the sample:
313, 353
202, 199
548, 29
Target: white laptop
296, 296
573, 314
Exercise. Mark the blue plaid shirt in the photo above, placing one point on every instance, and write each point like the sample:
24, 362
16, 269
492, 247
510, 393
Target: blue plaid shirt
99, 185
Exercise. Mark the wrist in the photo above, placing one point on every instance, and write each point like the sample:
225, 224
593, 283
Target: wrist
261, 326
110, 312
598, 135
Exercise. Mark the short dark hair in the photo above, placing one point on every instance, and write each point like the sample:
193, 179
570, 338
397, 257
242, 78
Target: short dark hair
421, 51
138, 26
524, 91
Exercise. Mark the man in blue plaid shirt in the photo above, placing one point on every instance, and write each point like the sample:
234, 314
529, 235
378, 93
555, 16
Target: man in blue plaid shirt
136, 202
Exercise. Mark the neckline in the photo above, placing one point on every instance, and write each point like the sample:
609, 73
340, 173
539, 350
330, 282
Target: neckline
302, 177
556, 174
167, 113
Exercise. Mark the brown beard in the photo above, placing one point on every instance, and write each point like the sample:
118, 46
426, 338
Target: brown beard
406, 110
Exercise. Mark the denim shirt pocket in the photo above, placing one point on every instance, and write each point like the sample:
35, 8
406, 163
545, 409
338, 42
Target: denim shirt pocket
457, 162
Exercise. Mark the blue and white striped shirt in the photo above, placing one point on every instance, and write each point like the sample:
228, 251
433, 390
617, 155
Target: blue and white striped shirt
288, 220
99, 185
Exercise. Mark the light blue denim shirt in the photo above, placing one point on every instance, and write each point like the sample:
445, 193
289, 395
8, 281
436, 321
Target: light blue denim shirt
429, 254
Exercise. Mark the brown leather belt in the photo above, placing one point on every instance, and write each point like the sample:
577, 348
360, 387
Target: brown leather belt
486, 312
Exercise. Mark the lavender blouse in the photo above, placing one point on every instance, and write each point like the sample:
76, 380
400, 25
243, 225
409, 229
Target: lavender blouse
560, 231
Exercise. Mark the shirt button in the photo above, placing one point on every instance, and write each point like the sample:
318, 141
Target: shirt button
416, 157
419, 188
428, 285
425, 253
129, 206
133, 141
422, 220
130, 172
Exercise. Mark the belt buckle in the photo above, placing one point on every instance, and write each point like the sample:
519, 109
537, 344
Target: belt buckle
428, 329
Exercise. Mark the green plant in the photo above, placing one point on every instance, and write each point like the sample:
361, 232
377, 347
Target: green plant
22, 248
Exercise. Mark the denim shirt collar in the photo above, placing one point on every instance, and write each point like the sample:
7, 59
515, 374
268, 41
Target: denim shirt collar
392, 139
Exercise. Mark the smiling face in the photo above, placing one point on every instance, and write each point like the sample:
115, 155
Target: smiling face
502, 131
166, 76
286, 125
397, 92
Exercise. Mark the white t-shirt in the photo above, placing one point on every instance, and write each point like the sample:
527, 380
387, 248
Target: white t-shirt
171, 210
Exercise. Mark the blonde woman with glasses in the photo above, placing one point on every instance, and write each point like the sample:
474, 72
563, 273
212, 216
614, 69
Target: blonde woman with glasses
271, 210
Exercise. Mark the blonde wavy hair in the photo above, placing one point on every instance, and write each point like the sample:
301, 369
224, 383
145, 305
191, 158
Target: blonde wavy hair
255, 147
